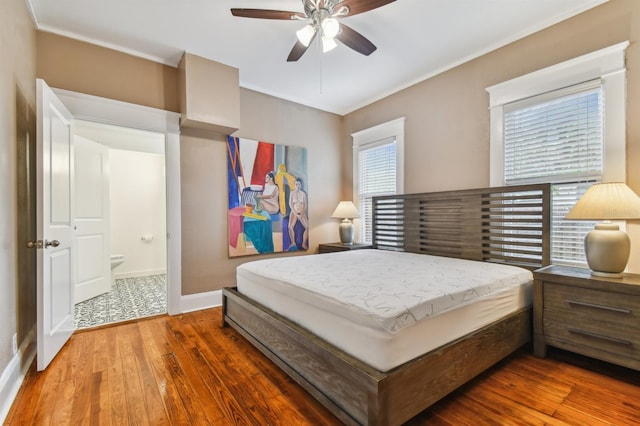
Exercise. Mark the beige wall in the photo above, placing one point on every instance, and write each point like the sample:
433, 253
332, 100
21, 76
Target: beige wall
205, 262
86, 68
447, 126
17, 90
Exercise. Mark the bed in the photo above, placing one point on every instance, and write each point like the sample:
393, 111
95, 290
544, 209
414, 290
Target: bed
500, 227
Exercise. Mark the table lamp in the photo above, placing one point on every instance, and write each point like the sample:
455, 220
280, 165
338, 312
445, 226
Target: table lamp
607, 247
346, 211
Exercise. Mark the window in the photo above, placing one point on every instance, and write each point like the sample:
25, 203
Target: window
378, 168
564, 125
557, 138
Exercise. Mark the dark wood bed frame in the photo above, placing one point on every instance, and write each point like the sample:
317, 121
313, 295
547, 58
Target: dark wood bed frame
508, 225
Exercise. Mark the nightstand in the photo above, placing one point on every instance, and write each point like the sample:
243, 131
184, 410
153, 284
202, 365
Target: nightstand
593, 316
333, 247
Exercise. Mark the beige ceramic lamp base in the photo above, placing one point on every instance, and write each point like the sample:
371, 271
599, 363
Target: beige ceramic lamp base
607, 249
346, 232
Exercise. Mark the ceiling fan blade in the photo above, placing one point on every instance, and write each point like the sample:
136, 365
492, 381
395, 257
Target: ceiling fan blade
359, 6
267, 14
299, 49
355, 40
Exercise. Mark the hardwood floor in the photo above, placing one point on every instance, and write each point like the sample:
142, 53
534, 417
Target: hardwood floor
188, 370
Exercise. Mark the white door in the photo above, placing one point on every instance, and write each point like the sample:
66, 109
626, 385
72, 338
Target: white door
92, 237
55, 322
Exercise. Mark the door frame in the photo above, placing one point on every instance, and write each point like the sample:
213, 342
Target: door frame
124, 114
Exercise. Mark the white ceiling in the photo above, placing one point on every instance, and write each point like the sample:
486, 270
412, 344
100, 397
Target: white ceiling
416, 39
122, 138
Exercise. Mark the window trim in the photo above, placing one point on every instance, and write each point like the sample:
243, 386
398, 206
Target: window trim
607, 64
367, 138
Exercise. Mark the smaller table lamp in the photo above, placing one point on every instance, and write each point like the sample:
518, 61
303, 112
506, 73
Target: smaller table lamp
346, 211
607, 247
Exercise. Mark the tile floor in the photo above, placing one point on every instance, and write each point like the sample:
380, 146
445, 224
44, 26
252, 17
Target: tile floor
130, 298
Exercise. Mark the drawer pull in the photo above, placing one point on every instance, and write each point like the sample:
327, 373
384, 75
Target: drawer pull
600, 336
603, 307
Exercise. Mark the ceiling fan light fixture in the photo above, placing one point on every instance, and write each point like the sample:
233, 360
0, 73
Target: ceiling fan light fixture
322, 24
305, 34
328, 44
330, 27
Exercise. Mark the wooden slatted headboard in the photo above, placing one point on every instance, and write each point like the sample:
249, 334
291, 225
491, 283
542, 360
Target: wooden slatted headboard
504, 225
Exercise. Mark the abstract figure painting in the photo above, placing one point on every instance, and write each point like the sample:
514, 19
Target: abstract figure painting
268, 202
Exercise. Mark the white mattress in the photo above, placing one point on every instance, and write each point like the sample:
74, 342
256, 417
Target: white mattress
383, 307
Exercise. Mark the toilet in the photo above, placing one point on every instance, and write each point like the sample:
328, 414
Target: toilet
116, 260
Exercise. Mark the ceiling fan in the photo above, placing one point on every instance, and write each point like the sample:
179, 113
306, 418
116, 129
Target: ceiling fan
322, 16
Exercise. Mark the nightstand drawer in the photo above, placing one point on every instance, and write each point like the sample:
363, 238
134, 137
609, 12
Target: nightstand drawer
596, 305
600, 320
615, 341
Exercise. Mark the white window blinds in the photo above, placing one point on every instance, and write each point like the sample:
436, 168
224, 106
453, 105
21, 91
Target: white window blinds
557, 137
377, 175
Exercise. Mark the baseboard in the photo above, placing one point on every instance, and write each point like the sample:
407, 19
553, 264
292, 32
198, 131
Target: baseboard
14, 374
198, 301
135, 274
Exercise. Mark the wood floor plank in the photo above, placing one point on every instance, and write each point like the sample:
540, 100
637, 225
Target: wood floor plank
81, 406
43, 412
150, 392
195, 410
218, 387
462, 412
82, 376
117, 405
182, 332
136, 412
99, 413
201, 397
101, 352
81, 353
610, 407
157, 345
535, 392
503, 406
533, 371
63, 406
187, 369
576, 416
160, 341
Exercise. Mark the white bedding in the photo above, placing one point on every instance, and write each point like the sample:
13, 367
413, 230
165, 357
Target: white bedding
374, 304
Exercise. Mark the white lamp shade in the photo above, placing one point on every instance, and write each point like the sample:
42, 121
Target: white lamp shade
607, 201
305, 34
346, 210
330, 27
328, 44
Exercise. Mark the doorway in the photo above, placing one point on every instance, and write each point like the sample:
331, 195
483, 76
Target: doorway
134, 258
124, 115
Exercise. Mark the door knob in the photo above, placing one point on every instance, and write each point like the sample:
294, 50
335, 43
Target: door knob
34, 244
54, 243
